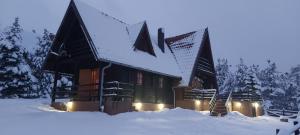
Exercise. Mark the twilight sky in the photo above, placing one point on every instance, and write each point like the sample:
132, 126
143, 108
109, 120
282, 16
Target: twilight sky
255, 30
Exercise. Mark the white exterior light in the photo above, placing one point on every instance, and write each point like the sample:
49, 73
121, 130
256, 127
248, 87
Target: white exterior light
160, 106
138, 106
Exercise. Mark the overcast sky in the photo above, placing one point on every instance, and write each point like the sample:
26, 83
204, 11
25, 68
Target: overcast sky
255, 30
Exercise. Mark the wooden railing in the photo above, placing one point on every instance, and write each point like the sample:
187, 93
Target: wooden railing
85, 92
212, 103
282, 112
203, 65
118, 90
197, 94
243, 95
64, 92
90, 92
228, 102
202, 94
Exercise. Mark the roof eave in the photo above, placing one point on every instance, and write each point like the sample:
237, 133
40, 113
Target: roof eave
138, 68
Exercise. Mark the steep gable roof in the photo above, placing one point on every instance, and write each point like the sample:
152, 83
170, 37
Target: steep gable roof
143, 41
113, 41
134, 31
186, 48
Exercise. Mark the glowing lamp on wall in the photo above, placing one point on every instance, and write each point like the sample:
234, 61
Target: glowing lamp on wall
69, 106
255, 104
138, 106
160, 106
197, 102
238, 104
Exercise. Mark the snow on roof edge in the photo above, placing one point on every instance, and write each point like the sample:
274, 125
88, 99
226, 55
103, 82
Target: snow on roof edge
92, 35
186, 57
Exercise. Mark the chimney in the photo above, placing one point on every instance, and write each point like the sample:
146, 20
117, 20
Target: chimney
161, 39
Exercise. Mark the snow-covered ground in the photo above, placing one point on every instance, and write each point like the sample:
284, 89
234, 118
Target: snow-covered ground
35, 117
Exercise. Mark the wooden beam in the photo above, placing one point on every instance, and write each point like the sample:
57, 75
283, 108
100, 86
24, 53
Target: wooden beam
54, 87
99, 86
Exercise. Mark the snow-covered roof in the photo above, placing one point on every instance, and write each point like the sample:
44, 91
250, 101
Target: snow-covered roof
185, 49
113, 41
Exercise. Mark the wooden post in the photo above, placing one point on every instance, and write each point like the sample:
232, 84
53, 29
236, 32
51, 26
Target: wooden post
54, 87
297, 131
277, 131
99, 87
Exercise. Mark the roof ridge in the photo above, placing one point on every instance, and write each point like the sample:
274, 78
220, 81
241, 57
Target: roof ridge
101, 12
173, 39
119, 20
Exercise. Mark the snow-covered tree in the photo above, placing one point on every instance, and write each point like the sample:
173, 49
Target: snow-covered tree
37, 59
284, 97
253, 83
241, 76
269, 78
295, 79
225, 77
15, 74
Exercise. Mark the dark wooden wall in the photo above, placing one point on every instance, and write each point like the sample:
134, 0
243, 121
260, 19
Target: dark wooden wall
72, 40
204, 67
149, 91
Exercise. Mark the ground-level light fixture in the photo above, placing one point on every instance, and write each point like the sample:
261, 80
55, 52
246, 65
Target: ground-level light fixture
238, 104
69, 105
255, 104
197, 102
138, 106
160, 106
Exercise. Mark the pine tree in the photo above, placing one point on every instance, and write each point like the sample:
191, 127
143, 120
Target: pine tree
253, 84
15, 79
269, 78
222, 69
295, 79
37, 59
225, 77
284, 96
241, 76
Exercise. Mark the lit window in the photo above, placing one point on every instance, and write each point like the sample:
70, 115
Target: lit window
160, 82
139, 78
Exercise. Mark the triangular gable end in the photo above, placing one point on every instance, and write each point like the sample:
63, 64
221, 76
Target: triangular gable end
134, 31
71, 28
143, 41
204, 63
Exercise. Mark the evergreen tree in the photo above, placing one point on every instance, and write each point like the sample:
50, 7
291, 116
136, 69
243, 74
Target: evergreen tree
284, 96
269, 80
37, 59
253, 84
15, 78
222, 69
295, 79
241, 76
225, 77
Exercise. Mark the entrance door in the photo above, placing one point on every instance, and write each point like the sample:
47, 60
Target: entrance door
88, 84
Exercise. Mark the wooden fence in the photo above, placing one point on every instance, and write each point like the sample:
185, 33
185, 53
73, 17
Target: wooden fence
282, 112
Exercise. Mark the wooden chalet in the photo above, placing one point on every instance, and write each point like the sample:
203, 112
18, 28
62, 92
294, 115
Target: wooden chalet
117, 67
